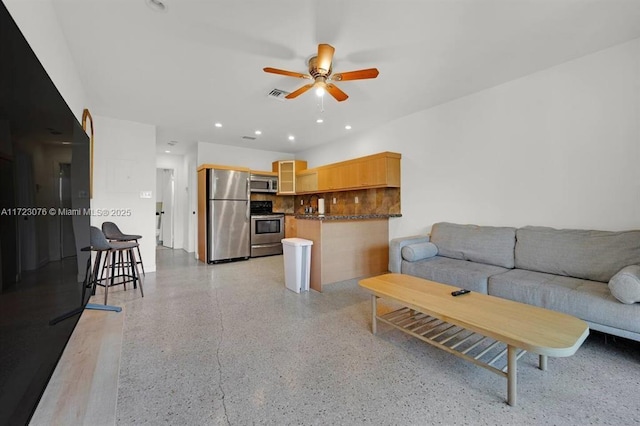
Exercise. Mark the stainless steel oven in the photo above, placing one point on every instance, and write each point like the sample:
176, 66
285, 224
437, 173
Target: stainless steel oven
267, 232
267, 229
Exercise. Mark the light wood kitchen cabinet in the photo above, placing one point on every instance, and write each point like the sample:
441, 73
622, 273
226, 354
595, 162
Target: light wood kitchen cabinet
287, 170
379, 171
373, 171
307, 181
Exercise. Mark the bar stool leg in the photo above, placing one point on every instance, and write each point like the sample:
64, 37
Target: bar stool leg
97, 272
123, 270
137, 272
140, 257
130, 270
107, 283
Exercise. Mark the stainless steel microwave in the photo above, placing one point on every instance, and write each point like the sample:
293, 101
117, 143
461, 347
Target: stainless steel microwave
263, 183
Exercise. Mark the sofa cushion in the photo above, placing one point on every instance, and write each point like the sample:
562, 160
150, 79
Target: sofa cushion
625, 285
588, 300
592, 255
419, 251
460, 273
484, 244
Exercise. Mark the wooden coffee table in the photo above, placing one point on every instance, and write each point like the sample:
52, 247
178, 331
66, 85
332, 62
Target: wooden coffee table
476, 327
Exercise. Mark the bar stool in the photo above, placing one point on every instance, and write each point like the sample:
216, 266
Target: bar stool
111, 249
113, 233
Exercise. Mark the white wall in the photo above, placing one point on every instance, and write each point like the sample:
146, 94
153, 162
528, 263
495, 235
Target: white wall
124, 165
255, 159
181, 210
38, 22
559, 148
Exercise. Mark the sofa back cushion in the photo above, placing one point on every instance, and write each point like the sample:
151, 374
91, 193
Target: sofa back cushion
484, 244
590, 255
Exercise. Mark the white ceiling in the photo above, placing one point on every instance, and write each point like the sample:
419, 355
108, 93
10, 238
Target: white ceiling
200, 62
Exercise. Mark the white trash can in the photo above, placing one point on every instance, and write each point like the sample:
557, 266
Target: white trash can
297, 263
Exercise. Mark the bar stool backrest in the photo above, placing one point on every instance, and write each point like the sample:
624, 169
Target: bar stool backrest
98, 240
111, 230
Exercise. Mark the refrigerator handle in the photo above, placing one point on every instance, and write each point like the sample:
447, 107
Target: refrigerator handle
247, 211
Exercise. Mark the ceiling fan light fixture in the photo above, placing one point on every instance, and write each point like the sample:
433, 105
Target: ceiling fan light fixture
320, 70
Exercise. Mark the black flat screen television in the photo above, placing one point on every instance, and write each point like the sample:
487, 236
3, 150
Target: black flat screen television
44, 222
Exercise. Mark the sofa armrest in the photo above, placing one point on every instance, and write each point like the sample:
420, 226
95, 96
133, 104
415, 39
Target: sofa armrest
395, 250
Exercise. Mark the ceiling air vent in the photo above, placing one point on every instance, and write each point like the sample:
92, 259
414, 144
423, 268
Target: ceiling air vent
277, 94
250, 138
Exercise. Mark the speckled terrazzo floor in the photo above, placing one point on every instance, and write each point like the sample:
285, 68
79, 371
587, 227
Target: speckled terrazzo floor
227, 344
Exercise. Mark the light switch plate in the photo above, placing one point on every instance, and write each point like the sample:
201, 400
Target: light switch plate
145, 194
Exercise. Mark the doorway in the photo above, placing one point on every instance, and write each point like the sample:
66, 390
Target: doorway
165, 206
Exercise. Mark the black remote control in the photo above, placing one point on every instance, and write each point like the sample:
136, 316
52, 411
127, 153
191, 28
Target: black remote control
460, 292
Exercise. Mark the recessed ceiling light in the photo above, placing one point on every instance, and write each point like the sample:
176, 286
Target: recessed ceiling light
168, 152
218, 124
66, 143
157, 5
348, 127
258, 132
292, 138
319, 120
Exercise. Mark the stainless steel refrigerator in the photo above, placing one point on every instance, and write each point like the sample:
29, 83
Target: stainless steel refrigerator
228, 220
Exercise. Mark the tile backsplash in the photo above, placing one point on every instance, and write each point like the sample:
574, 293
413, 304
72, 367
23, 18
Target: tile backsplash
370, 201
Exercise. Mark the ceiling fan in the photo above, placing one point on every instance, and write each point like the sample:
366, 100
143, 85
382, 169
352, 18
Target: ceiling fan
320, 70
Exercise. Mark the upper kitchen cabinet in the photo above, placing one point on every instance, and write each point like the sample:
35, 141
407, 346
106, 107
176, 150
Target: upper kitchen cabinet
287, 170
373, 171
307, 181
379, 170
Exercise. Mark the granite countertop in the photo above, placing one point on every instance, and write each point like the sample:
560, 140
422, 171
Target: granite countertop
346, 217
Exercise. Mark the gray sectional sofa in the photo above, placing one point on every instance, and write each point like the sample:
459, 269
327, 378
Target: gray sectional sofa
593, 275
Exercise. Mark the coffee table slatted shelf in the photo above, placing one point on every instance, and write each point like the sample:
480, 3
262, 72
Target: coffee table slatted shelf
473, 347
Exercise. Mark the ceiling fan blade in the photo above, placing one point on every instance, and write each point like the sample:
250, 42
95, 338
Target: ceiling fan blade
336, 92
287, 73
355, 75
325, 56
299, 92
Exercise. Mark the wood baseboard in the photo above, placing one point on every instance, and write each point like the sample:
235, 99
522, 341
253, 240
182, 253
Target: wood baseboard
84, 385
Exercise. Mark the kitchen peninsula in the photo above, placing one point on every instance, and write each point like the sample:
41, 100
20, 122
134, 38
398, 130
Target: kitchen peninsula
345, 246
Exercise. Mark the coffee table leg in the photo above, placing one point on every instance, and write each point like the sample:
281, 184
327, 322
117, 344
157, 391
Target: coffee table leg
374, 312
512, 375
543, 362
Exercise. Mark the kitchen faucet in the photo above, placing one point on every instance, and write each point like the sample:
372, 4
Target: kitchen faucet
311, 205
